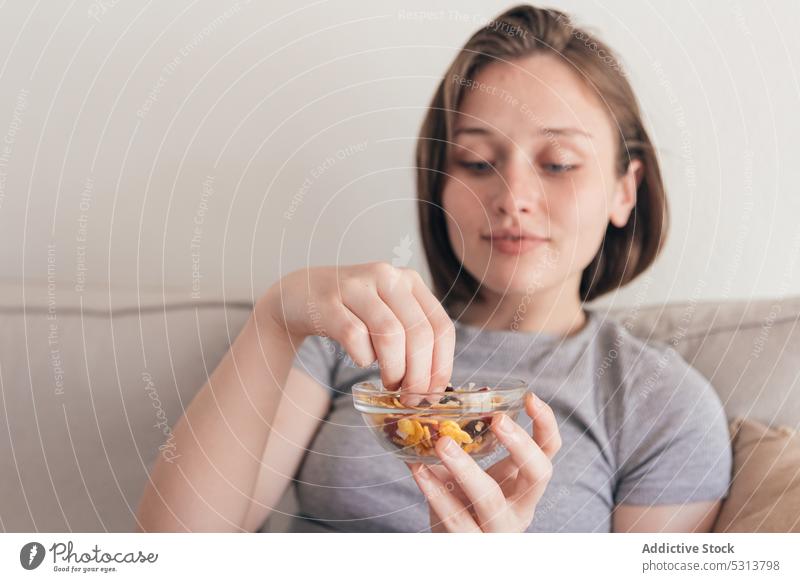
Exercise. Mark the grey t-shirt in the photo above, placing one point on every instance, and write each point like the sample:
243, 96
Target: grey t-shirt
639, 426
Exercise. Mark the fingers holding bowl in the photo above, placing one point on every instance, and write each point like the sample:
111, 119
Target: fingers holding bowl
531, 455
485, 495
444, 503
545, 426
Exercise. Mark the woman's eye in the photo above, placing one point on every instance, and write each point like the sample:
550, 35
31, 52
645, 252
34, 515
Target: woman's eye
476, 167
559, 168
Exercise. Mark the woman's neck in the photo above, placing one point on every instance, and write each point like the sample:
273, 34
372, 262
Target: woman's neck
542, 311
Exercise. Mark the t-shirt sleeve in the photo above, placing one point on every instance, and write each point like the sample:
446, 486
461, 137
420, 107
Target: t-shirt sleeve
316, 356
674, 444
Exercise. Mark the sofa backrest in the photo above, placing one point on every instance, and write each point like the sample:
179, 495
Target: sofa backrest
87, 389
749, 350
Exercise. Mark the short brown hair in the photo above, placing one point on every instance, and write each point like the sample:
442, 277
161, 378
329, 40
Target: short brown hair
519, 32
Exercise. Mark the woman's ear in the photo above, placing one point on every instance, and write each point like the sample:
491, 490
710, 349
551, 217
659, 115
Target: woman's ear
625, 194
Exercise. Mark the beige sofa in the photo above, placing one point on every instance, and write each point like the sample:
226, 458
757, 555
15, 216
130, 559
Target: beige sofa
87, 380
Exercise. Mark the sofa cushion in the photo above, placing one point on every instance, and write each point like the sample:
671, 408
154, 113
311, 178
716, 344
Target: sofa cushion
765, 493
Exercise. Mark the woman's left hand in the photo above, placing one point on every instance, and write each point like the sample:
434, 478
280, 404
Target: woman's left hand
462, 497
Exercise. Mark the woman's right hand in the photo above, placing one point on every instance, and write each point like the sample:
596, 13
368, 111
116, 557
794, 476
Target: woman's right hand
376, 312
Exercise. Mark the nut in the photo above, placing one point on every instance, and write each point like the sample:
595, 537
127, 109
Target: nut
475, 427
449, 398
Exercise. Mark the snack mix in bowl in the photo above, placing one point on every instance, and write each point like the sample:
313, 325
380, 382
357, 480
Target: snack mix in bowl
464, 413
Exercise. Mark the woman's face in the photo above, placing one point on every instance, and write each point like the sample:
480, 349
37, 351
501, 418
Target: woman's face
534, 154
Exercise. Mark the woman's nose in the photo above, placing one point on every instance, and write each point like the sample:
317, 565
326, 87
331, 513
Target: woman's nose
518, 191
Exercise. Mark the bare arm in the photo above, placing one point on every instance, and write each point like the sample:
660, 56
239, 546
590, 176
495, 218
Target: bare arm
305, 402
216, 481
692, 517
221, 438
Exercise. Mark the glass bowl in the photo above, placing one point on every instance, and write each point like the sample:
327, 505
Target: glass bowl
464, 413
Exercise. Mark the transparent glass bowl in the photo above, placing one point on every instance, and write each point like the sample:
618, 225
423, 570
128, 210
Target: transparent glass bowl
464, 413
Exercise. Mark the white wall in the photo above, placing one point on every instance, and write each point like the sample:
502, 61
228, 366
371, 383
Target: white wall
144, 118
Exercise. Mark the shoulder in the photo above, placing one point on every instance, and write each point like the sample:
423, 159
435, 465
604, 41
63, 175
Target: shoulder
648, 373
665, 422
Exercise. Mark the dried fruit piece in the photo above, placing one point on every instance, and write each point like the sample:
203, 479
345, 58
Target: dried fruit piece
451, 429
390, 426
433, 430
410, 431
426, 436
404, 427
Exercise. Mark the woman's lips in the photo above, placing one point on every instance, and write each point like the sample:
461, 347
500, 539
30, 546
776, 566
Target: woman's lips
511, 246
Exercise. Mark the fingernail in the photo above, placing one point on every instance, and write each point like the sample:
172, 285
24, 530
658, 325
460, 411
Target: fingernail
422, 473
537, 402
450, 447
503, 423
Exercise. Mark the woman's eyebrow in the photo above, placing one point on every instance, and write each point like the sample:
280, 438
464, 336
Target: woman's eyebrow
566, 131
471, 131
546, 131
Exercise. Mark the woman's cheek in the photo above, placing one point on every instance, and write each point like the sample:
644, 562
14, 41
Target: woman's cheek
590, 227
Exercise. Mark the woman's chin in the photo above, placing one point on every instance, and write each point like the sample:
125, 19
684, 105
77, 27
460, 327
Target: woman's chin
516, 279
512, 287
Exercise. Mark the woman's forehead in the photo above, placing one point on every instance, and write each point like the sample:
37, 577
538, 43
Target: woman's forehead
529, 96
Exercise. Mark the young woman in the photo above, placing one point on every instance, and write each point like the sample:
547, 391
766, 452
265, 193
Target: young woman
539, 190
